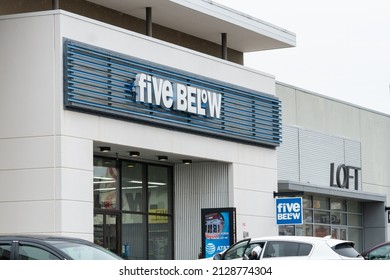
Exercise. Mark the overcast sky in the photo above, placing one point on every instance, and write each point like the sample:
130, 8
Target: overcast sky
343, 47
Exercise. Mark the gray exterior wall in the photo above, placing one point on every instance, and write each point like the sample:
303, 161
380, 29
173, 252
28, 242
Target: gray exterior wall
305, 156
353, 129
202, 185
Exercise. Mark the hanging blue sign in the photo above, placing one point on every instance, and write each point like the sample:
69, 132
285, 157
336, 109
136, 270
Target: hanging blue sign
289, 211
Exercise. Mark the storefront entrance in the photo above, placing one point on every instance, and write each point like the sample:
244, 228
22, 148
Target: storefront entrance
133, 208
339, 233
106, 231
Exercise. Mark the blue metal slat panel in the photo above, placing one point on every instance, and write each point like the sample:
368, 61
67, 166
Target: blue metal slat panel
104, 82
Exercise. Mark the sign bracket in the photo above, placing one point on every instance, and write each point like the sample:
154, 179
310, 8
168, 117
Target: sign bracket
288, 193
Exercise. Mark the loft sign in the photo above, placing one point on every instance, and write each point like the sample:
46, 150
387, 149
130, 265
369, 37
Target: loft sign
177, 96
340, 177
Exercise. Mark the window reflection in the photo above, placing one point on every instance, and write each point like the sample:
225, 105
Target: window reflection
105, 186
337, 218
321, 231
133, 237
320, 202
158, 190
160, 240
324, 216
338, 205
132, 187
145, 208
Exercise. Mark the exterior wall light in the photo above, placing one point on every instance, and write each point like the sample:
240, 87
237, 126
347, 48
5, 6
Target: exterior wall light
105, 149
162, 158
187, 161
134, 154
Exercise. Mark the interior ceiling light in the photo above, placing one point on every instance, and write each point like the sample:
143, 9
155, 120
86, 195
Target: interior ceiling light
162, 158
105, 149
187, 161
134, 154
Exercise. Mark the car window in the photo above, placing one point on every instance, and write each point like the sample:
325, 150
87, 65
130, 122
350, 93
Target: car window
236, 251
5, 251
346, 249
86, 252
286, 249
248, 250
29, 252
381, 253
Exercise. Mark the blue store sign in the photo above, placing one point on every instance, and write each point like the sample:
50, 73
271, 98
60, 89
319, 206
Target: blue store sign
289, 211
110, 84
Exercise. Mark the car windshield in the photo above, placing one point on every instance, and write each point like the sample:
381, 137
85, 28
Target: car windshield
78, 251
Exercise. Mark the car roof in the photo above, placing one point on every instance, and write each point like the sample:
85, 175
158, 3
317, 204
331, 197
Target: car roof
375, 247
42, 238
309, 239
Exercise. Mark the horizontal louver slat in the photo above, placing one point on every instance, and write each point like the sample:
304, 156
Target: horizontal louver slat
100, 81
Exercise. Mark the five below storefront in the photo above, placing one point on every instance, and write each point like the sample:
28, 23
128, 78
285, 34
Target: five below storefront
206, 143
123, 139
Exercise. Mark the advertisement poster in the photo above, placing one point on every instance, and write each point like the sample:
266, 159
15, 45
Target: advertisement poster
218, 230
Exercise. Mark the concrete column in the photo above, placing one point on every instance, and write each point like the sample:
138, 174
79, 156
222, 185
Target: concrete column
149, 21
224, 45
56, 4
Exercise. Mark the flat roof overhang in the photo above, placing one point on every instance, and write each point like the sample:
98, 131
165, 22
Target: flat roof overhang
208, 20
288, 186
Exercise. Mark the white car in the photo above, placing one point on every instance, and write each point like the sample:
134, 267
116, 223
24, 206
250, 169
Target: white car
292, 247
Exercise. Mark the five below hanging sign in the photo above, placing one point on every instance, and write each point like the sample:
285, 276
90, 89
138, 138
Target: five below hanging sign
289, 211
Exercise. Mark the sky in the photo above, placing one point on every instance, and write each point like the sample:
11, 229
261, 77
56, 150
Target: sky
342, 47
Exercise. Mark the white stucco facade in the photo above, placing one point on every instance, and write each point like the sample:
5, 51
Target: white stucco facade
48, 148
46, 166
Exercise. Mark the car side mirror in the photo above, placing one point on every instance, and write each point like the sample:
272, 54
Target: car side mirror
217, 257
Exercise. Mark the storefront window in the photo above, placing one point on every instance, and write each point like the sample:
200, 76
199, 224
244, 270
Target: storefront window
308, 216
159, 236
304, 230
132, 187
321, 231
158, 202
355, 220
324, 216
354, 206
338, 205
320, 202
145, 208
134, 237
337, 218
321, 217
339, 233
287, 230
105, 184
307, 202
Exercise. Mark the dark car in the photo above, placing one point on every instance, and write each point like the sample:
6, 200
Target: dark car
40, 247
378, 252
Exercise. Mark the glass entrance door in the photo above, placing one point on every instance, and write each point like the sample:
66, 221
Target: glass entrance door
339, 232
106, 231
